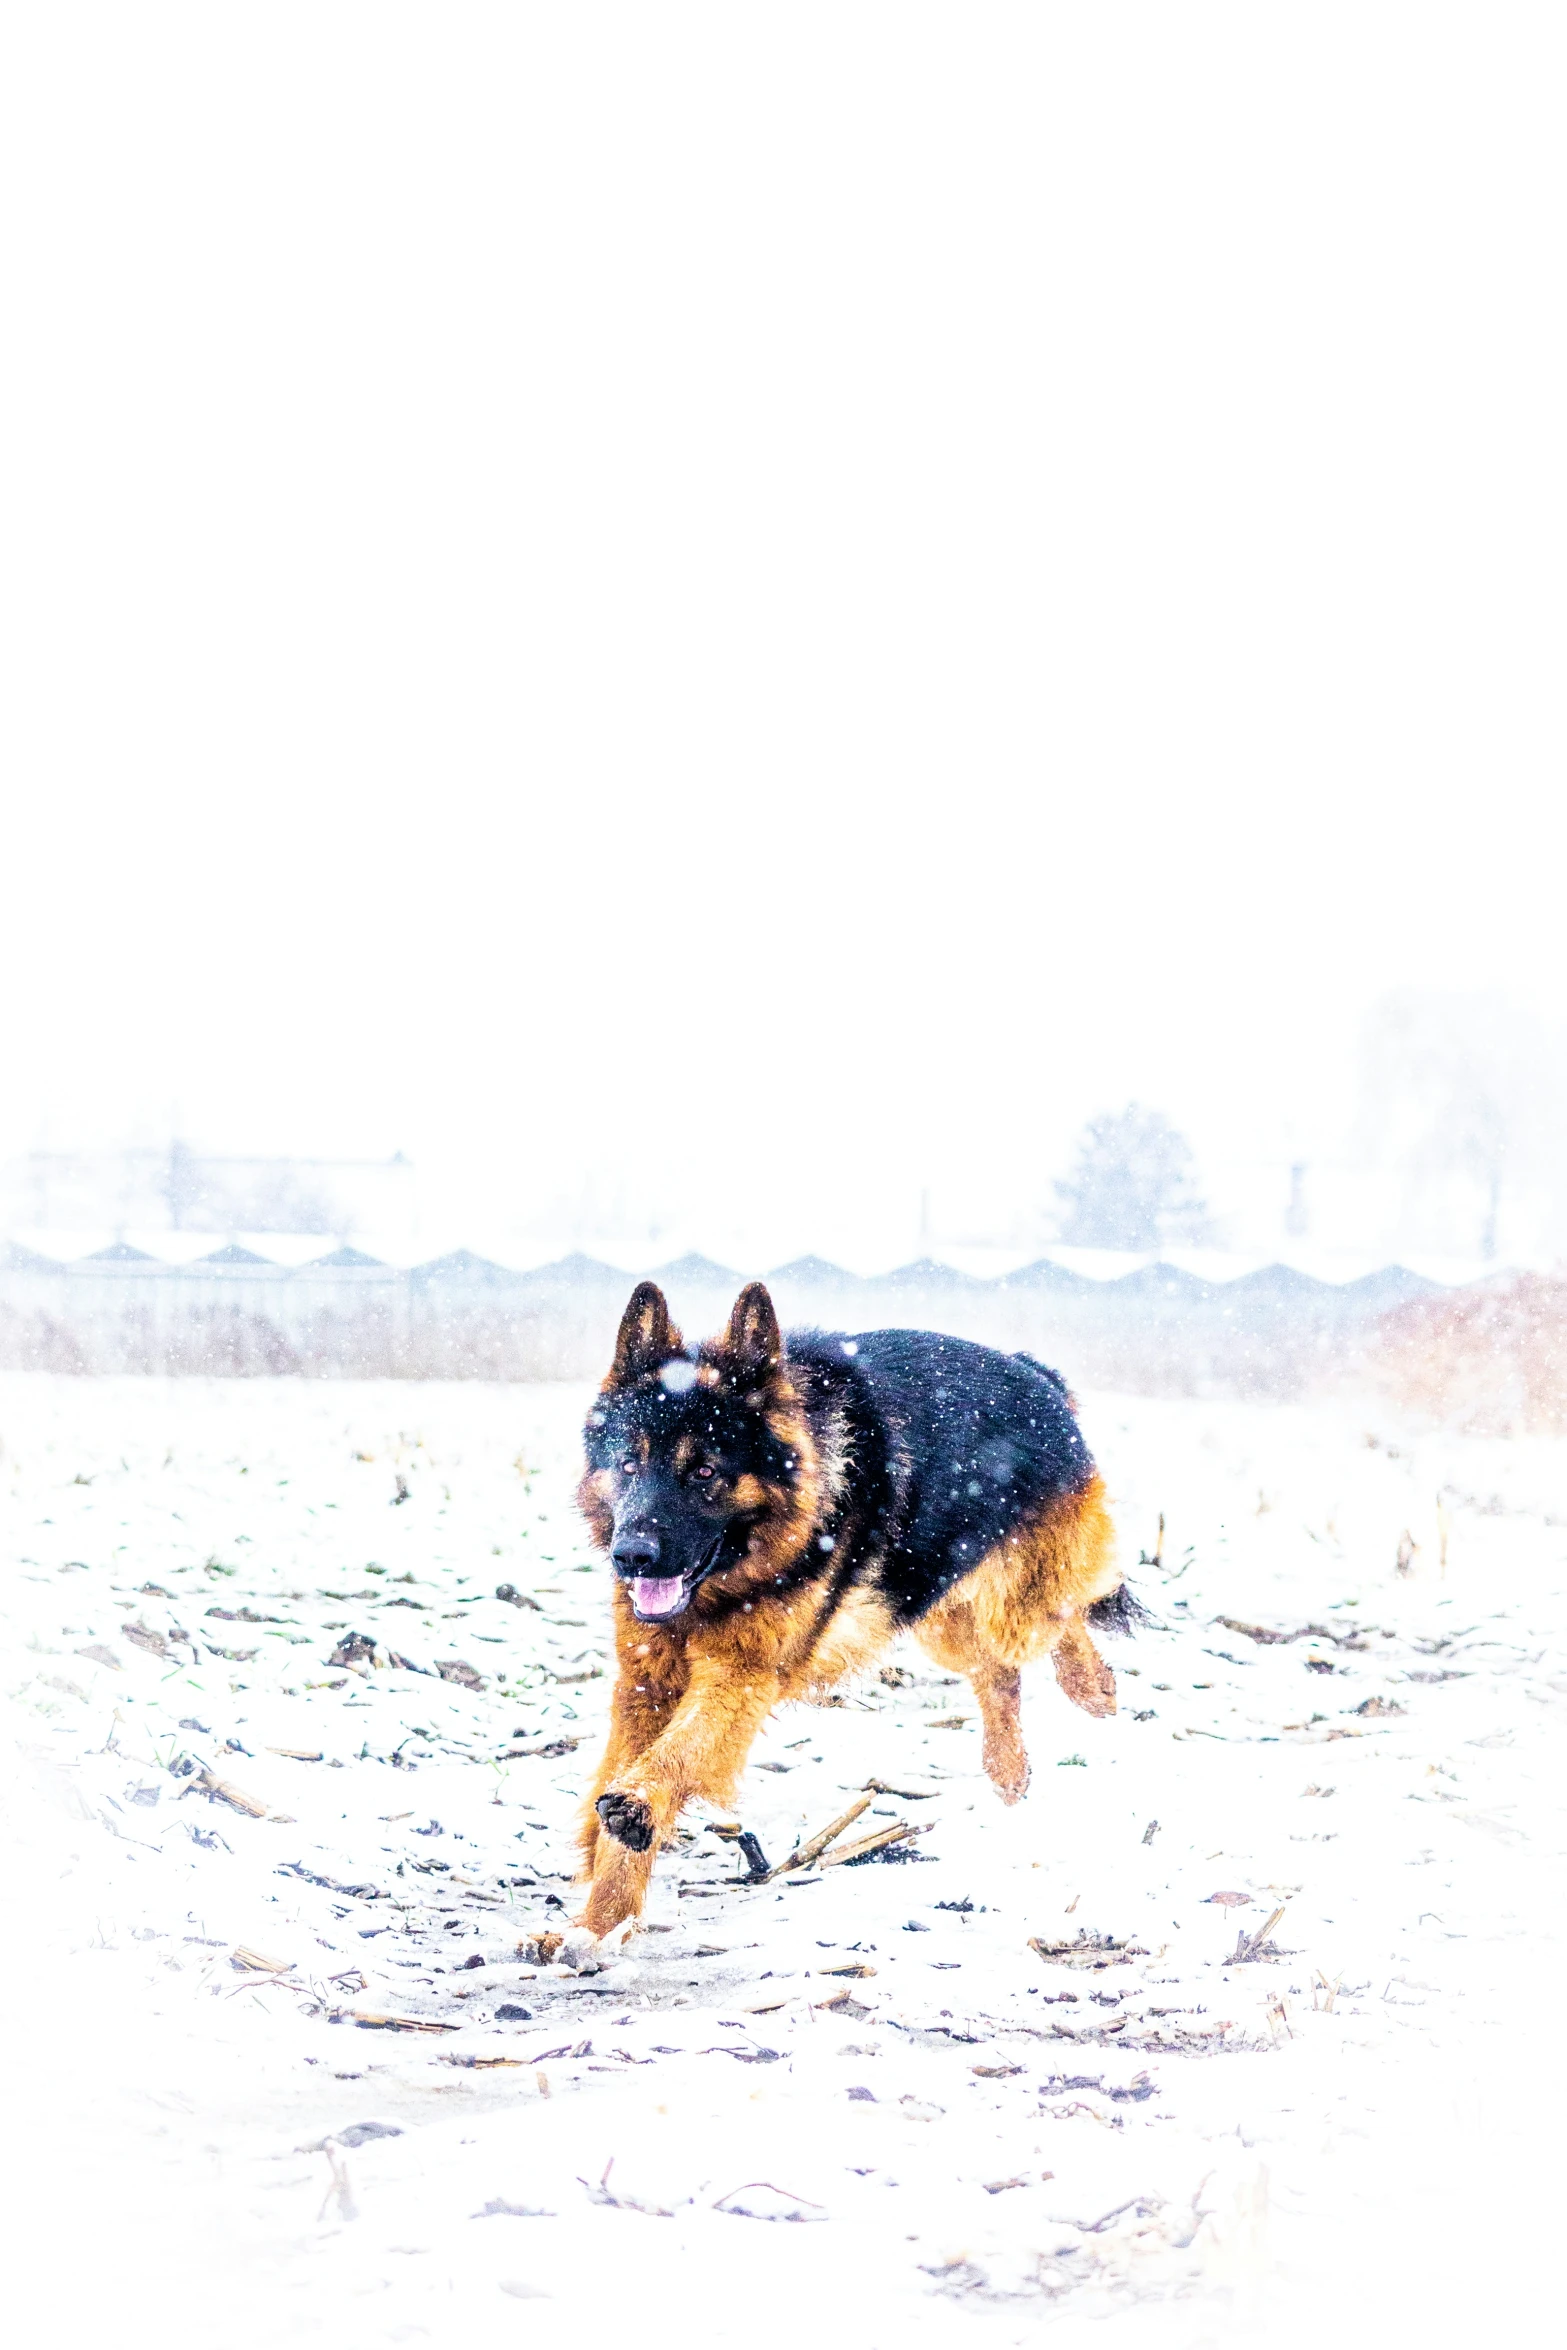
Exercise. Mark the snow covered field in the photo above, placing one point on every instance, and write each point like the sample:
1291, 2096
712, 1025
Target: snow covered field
855, 2104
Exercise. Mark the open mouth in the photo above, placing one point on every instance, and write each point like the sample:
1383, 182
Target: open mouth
658, 1595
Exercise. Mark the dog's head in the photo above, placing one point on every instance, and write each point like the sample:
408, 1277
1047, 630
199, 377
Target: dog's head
700, 1463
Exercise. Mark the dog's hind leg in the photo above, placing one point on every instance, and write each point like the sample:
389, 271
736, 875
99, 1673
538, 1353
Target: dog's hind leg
950, 1637
999, 1691
1026, 1599
1081, 1671
1031, 1594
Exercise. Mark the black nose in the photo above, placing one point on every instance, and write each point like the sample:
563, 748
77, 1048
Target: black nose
634, 1553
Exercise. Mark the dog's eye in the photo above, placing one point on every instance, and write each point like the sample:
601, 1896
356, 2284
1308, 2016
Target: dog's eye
706, 1470
629, 1468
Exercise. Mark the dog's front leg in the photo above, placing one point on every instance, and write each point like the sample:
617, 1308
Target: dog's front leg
701, 1753
639, 1710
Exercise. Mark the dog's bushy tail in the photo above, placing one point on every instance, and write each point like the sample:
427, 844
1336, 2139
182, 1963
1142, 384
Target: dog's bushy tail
1119, 1612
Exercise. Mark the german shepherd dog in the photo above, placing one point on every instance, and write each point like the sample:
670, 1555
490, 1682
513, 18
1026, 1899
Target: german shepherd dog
776, 1512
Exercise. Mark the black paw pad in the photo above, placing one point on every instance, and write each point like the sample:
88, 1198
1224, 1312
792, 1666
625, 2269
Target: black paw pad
627, 1819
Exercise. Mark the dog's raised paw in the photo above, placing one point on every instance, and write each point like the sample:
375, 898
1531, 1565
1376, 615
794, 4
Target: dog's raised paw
628, 1819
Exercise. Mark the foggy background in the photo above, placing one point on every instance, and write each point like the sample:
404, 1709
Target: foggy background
721, 625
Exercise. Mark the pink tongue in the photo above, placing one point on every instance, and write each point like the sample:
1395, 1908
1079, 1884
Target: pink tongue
655, 1595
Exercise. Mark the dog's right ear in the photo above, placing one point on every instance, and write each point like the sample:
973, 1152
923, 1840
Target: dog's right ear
752, 1343
647, 1337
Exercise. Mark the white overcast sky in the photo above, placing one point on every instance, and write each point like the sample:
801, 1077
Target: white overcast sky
769, 603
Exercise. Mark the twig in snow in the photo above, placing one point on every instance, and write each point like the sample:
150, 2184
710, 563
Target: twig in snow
1251, 1947
369, 2020
814, 1846
1145, 2207
603, 2193
1132, 2092
1268, 1636
224, 1791
899, 1833
787, 2195
1085, 1949
339, 2191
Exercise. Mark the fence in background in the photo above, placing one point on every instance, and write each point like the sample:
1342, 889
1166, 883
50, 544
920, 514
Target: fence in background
1155, 1330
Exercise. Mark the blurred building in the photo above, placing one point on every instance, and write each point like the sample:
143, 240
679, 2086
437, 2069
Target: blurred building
176, 1188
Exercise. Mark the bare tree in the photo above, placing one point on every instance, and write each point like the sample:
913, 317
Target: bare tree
1132, 1185
1465, 1096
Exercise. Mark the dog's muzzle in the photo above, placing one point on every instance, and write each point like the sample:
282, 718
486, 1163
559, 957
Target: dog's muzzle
636, 1552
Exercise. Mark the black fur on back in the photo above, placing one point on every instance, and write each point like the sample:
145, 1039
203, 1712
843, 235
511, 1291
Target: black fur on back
952, 1445
1045, 1372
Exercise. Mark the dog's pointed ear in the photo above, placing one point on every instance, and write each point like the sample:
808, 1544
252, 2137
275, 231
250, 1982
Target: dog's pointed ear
647, 1337
753, 1344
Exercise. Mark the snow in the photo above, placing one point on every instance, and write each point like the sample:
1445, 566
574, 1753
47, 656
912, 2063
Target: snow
1357, 2133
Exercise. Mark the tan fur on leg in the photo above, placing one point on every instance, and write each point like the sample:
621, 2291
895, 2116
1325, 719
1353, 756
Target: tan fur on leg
702, 1752
950, 1636
1044, 1575
1026, 1599
1082, 1672
640, 1711
619, 1887
999, 1689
